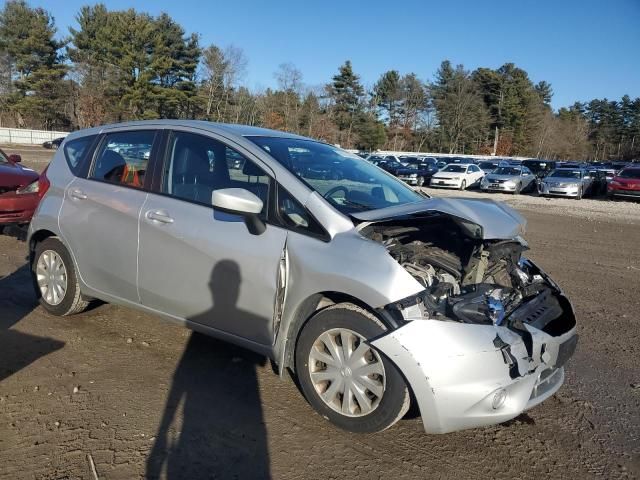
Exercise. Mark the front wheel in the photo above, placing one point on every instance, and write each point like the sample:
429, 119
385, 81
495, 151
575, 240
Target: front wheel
420, 181
463, 185
518, 189
579, 194
55, 279
343, 377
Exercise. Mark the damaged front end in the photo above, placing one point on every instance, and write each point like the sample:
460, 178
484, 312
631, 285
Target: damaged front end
488, 335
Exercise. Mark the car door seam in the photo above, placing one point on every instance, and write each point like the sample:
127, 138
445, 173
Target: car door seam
138, 249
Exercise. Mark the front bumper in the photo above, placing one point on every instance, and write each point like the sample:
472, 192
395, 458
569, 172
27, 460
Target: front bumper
618, 192
445, 183
409, 180
570, 191
498, 187
459, 372
17, 209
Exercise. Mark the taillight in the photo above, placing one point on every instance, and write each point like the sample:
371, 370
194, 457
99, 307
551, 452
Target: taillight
43, 183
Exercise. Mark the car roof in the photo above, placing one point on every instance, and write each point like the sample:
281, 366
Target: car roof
220, 128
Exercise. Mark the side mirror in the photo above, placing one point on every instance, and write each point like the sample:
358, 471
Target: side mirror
15, 158
241, 202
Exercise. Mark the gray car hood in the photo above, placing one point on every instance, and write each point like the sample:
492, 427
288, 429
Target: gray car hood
498, 221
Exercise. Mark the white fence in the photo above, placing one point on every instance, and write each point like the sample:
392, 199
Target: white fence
28, 137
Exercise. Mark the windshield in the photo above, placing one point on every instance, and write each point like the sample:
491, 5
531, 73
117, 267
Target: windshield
566, 174
630, 173
455, 168
348, 182
507, 171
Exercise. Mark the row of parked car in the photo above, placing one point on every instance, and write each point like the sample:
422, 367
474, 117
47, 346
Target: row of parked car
543, 177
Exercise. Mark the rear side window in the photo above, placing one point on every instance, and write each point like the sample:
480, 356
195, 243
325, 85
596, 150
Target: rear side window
123, 158
75, 152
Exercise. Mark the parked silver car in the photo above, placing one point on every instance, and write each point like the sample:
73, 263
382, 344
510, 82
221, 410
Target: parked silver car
362, 287
566, 182
509, 179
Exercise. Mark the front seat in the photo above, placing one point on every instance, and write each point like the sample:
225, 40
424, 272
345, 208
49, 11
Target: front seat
192, 173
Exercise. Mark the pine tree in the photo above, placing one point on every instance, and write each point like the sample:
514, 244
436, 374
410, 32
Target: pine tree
36, 67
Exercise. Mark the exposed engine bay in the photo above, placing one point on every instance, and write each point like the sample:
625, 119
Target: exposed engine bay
467, 279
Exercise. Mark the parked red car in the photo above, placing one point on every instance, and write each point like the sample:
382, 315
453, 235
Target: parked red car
20, 189
625, 184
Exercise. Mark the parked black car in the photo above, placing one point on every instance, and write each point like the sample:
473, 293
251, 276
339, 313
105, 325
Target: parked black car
540, 168
598, 181
55, 143
417, 171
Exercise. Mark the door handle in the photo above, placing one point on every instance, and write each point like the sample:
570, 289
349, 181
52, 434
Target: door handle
158, 216
78, 194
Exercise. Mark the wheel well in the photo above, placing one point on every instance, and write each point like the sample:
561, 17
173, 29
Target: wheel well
314, 304
36, 238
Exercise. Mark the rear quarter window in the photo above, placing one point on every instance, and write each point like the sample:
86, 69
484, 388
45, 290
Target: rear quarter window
75, 152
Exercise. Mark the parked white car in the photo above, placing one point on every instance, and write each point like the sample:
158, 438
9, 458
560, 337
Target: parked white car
457, 176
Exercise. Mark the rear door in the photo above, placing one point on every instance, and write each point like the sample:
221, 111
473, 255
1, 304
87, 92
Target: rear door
99, 217
203, 265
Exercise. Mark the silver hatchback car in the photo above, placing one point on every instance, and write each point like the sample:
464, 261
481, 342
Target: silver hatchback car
369, 292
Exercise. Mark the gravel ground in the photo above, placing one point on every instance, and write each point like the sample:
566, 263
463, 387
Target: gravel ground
141, 398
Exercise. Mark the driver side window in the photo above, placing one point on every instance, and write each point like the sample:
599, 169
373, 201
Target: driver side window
198, 165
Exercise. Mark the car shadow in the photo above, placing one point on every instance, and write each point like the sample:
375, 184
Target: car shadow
18, 349
212, 425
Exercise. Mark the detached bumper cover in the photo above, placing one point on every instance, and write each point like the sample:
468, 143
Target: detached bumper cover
455, 371
459, 371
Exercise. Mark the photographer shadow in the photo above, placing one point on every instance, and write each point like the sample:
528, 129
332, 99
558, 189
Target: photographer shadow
221, 432
17, 300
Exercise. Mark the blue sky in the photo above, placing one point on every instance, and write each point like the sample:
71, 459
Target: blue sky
585, 49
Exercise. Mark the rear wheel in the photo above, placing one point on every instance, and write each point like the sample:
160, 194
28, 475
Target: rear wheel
55, 279
343, 377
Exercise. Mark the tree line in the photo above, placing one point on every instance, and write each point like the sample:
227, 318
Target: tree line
124, 65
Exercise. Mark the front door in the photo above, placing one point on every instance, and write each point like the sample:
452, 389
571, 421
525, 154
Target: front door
202, 265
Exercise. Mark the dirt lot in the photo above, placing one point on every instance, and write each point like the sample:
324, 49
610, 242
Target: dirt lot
145, 398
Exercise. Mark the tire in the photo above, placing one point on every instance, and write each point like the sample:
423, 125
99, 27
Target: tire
375, 412
463, 185
71, 300
518, 189
579, 195
420, 181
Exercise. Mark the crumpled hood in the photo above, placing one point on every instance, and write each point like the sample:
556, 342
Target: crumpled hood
498, 220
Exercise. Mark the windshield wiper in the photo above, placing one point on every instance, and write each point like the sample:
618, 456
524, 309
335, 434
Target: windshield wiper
362, 206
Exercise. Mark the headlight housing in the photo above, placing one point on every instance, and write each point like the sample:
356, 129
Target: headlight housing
33, 187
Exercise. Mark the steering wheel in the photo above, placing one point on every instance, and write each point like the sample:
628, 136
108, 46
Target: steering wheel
333, 190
